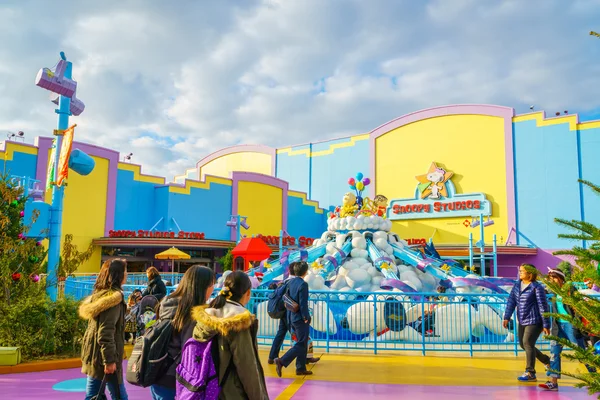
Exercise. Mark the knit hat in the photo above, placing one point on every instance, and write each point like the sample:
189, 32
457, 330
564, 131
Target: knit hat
558, 272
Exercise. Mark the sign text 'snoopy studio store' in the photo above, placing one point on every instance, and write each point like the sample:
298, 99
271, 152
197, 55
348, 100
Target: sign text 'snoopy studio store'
436, 198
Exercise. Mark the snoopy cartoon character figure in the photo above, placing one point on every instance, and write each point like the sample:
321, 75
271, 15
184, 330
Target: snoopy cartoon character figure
436, 178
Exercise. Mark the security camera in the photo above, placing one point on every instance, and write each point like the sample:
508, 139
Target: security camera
21, 133
531, 107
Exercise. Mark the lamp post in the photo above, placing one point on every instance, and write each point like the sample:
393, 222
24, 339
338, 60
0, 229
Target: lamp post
60, 82
237, 222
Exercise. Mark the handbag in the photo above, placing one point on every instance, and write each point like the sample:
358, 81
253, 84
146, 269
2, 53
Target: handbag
102, 391
289, 303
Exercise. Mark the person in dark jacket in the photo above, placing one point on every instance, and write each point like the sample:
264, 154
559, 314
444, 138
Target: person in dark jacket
284, 328
195, 289
528, 297
562, 329
156, 286
226, 320
299, 321
103, 343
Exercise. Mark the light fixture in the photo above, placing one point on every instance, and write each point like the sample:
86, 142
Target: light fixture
128, 157
475, 223
531, 107
244, 224
232, 223
488, 222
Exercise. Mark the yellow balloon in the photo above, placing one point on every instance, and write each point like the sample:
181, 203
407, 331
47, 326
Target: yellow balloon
360, 186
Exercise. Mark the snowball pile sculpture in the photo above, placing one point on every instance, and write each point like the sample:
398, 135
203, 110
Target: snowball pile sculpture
359, 254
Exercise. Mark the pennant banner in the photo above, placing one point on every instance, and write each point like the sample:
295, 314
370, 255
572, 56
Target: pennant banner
65, 152
51, 166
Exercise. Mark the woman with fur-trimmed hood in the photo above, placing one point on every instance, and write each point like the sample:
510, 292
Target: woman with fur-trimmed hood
104, 340
234, 328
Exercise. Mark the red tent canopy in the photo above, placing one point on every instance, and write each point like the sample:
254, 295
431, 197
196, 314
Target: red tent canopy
249, 249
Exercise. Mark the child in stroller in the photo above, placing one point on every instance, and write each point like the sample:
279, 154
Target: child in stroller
133, 305
147, 313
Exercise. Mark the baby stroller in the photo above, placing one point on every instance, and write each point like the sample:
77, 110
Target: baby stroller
147, 311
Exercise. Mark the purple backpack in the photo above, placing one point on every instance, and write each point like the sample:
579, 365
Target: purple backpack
197, 376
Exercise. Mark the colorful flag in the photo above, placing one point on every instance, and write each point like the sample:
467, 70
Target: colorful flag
65, 152
50, 173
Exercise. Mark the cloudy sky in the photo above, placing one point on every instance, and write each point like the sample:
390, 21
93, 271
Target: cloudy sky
172, 81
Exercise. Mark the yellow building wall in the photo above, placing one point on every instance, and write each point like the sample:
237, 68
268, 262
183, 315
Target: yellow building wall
262, 204
84, 210
470, 146
244, 161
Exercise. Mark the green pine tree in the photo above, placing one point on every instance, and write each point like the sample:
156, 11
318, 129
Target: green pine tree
20, 258
587, 261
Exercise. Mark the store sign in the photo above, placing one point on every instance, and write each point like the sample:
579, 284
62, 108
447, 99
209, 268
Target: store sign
436, 198
302, 241
413, 241
155, 234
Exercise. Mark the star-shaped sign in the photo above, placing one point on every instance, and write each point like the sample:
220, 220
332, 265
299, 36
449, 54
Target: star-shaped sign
426, 185
316, 265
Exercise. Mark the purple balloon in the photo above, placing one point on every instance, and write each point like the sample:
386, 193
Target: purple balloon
366, 181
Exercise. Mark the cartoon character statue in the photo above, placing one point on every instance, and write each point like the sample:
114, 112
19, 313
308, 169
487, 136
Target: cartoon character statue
380, 205
349, 206
435, 178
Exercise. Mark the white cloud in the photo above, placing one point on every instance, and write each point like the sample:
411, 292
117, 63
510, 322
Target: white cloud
173, 82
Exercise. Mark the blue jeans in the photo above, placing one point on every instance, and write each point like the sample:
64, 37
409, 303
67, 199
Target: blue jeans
162, 393
565, 331
93, 386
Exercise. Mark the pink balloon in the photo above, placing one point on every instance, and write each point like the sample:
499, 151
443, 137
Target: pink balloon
366, 181
351, 181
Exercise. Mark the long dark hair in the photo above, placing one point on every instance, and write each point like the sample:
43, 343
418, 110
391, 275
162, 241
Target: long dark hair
235, 286
191, 293
111, 275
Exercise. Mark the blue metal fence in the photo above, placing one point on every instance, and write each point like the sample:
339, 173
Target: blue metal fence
378, 321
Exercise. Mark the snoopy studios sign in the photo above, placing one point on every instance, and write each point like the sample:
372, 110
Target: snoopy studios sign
436, 197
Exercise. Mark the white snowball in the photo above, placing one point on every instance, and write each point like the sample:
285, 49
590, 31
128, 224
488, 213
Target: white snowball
366, 267
356, 253
339, 240
380, 235
359, 242
330, 248
381, 243
355, 233
372, 271
318, 282
370, 226
357, 277
340, 282
350, 221
389, 249
376, 280
360, 218
360, 260
392, 238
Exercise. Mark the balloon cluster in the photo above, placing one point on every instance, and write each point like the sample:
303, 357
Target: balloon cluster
358, 185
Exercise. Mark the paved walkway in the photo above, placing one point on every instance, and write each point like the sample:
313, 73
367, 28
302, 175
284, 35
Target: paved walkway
346, 377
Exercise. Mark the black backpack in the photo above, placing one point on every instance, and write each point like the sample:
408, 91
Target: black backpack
276, 306
150, 359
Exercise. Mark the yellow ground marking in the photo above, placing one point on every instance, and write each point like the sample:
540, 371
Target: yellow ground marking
291, 390
501, 370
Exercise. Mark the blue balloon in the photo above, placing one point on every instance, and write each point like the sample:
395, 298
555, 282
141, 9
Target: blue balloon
359, 176
597, 348
352, 187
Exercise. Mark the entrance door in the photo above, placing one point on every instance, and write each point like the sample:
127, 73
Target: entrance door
238, 265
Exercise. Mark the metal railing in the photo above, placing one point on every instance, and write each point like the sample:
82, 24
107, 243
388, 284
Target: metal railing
379, 321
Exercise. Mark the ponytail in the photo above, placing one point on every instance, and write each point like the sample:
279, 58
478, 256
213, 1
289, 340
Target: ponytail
235, 286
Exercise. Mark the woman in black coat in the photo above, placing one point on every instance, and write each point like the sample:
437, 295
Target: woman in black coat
156, 287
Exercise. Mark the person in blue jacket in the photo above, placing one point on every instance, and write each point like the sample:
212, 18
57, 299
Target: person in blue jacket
528, 297
299, 321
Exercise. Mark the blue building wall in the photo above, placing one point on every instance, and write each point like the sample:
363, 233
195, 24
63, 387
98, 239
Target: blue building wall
590, 154
293, 166
135, 203
203, 210
22, 164
303, 220
546, 169
324, 175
